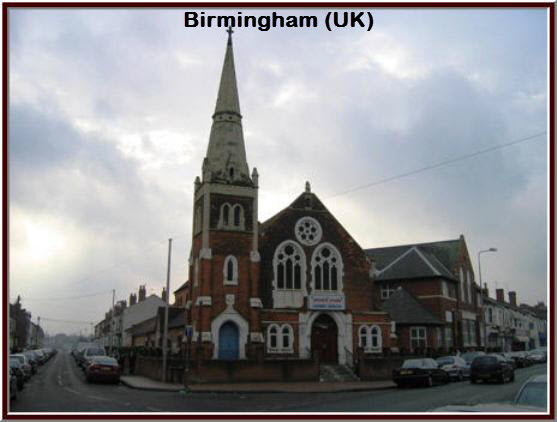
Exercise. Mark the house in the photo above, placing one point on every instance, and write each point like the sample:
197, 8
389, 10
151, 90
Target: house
440, 275
418, 330
141, 308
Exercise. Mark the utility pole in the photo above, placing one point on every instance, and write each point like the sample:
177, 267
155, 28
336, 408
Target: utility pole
37, 332
112, 325
165, 336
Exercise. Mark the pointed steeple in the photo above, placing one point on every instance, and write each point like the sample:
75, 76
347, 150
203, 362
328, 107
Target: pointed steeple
226, 154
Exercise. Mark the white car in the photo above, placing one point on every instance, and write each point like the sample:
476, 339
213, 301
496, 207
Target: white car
533, 393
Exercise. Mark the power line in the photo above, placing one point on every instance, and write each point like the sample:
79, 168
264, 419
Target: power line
67, 321
440, 164
69, 298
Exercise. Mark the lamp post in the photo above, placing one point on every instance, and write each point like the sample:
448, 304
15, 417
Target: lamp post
481, 286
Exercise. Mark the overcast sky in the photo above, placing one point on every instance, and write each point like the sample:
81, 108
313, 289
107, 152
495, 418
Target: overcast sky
109, 120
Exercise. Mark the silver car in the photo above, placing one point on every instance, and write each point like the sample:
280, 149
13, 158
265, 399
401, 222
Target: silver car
533, 393
455, 366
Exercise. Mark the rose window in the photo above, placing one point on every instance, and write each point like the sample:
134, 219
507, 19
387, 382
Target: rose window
308, 231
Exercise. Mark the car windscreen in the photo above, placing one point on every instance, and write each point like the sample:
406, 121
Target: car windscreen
485, 360
413, 363
533, 394
14, 363
445, 361
19, 358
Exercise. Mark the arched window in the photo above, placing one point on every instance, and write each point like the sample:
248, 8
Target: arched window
230, 270
286, 337
225, 214
272, 337
363, 337
326, 268
376, 338
238, 214
289, 264
280, 339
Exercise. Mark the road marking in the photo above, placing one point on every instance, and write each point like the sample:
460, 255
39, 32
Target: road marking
72, 391
154, 409
97, 398
60, 380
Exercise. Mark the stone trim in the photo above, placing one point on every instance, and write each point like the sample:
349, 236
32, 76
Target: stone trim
205, 253
188, 304
230, 314
255, 302
254, 256
452, 299
256, 337
205, 336
204, 301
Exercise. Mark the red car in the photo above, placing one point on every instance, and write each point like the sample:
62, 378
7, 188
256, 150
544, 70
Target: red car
102, 368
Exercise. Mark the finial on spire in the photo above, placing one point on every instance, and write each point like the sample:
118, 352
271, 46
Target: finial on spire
308, 188
230, 32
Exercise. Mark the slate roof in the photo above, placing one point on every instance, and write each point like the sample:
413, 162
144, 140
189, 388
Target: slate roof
304, 201
404, 308
413, 263
143, 327
416, 260
446, 251
182, 287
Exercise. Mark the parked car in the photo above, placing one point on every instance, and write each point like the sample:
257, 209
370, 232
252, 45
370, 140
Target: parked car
491, 367
41, 356
81, 346
455, 366
419, 371
12, 383
25, 365
470, 356
520, 359
88, 353
33, 361
506, 356
17, 369
536, 356
485, 408
533, 393
102, 368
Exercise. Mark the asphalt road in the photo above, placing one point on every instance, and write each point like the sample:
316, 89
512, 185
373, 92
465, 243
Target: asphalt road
60, 387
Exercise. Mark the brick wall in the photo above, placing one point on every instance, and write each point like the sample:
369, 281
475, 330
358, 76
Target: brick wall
213, 371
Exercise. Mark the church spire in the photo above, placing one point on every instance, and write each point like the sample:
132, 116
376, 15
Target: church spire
226, 155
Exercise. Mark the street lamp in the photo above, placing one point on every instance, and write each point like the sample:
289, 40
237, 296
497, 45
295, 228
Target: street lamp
481, 287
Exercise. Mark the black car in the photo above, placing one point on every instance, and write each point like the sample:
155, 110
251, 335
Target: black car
491, 367
520, 359
419, 371
12, 384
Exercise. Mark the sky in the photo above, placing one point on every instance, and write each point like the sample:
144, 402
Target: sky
110, 113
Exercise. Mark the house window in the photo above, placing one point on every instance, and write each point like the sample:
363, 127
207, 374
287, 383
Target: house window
363, 337
289, 265
230, 270
225, 214
238, 215
490, 315
386, 291
439, 337
280, 339
326, 268
376, 338
418, 338
465, 337
472, 326
469, 285
444, 289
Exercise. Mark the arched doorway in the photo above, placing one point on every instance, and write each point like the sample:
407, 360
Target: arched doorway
229, 341
324, 336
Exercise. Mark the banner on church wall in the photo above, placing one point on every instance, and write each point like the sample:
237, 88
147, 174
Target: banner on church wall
326, 302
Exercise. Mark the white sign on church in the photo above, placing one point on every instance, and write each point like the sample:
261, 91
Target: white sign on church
326, 302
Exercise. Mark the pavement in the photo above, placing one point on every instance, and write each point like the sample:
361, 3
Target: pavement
144, 383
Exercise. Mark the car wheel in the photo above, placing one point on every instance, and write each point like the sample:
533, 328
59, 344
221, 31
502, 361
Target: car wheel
472, 380
512, 376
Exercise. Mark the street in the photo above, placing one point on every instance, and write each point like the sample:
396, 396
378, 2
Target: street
61, 387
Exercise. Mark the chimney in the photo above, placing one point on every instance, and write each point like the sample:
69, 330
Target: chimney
133, 299
485, 290
163, 294
141, 295
512, 298
500, 295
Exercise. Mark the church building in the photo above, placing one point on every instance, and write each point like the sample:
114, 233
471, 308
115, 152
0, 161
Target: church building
296, 286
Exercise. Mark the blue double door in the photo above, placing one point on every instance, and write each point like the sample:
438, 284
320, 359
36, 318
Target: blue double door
229, 341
